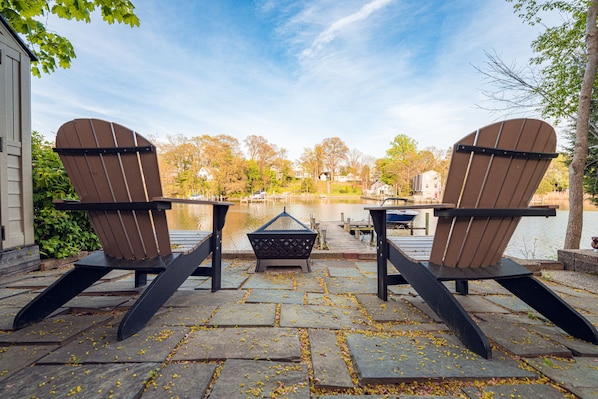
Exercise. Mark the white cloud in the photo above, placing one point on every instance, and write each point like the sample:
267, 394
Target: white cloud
339, 25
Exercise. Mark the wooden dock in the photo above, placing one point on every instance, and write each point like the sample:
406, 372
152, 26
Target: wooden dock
338, 240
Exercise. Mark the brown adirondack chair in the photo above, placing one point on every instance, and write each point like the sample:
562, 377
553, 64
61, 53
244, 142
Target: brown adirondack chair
114, 171
492, 178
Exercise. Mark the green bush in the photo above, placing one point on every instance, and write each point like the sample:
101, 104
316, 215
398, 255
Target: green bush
59, 234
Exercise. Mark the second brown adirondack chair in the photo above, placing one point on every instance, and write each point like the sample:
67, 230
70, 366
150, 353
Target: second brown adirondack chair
114, 171
493, 175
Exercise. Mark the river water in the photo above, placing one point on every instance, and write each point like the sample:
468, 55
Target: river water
535, 237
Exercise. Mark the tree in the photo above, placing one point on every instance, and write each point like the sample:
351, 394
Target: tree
334, 150
567, 58
402, 163
28, 18
311, 161
226, 160
263, 154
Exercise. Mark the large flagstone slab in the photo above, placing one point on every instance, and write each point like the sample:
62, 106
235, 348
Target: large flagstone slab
19, 300
402, 289
115, 381
520, 339
370, 268
339, 300
241, 343
229, 282
419, 303
385, 359
242, 379
315, 316
270, 281
578, 375
577, 346
7, 316
245, 315
36, 282
344, 271
125, 286
99, 345
15, 358
511, 302
535, 391
310, 282
477, 304
191, 316
185, 380
329, 367
364, 285
204, 298
57, 330
275, 296
8, 292
395, 309
582, 304
103, 302
487, 287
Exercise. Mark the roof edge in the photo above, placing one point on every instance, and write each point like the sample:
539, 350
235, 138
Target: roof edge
16, 36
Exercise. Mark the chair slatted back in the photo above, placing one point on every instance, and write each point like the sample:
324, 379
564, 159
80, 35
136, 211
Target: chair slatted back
478, 180
116, 176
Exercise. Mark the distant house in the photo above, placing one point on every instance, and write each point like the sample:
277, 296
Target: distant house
380, 188
18, 251
427, 185
324, 176
349, 177
205, 174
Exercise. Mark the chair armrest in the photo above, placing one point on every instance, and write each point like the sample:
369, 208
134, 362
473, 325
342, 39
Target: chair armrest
495, 212
413, 206
72, 205
191, 201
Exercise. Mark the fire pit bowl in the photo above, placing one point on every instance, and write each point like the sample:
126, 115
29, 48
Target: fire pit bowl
283, 241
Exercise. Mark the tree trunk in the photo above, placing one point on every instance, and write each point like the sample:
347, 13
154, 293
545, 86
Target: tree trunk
580, 152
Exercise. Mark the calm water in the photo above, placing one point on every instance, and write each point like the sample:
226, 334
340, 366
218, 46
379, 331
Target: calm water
535, 237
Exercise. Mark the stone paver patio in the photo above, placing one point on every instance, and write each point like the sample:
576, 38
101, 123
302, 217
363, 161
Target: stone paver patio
287, 334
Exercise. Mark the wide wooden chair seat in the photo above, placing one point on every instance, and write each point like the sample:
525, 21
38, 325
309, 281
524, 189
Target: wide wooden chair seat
114, 171
493, 175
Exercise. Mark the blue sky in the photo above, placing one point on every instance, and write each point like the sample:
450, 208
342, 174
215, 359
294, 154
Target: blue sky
294, 72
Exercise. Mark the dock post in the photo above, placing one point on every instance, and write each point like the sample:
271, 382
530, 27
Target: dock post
323, 237
427, 222
342, 217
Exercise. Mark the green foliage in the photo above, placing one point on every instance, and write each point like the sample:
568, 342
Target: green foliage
59, 234
401, 145
561, 53
27, 18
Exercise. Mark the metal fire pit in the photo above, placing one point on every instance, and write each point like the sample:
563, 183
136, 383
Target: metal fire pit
283, 241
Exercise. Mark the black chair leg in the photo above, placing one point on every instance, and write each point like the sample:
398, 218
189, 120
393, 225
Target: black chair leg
462, 287
60, 292
140, 279
541, 298
157, 293
440, 299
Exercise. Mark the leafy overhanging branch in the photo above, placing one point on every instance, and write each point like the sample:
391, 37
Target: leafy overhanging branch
28, 18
